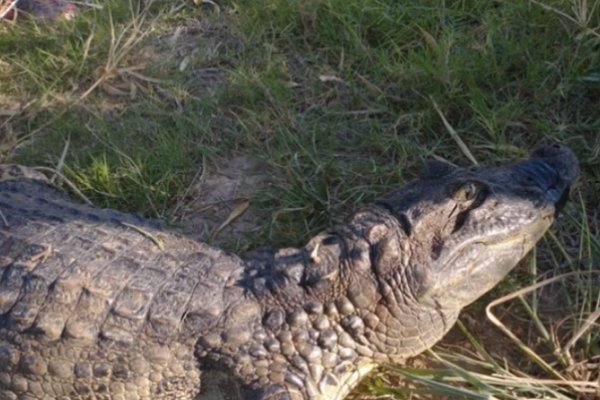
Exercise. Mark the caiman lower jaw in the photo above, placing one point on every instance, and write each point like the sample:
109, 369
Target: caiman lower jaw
532, 231
347, 381
480, 264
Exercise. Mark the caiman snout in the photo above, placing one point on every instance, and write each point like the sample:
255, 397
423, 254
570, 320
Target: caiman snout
500, 230
552, 168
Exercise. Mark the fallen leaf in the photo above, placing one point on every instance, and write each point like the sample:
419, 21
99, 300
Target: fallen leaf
240, 208
429, 39
330, 78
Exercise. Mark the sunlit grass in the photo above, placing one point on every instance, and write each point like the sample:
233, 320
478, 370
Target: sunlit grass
340, 101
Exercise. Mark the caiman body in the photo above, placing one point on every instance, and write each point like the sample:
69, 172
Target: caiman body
97, 304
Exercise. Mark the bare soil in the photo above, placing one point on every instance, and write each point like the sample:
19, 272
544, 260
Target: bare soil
221, 208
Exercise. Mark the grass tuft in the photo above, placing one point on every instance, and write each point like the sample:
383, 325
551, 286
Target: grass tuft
339, 101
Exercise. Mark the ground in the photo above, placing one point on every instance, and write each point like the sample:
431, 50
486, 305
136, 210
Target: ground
218, 209
260, 123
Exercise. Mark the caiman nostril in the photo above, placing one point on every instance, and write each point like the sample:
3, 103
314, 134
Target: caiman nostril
561, 159
542, 174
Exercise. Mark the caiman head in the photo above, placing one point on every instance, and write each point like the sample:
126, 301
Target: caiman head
389, 282
469, 227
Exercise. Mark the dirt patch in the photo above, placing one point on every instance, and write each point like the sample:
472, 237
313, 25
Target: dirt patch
221, 208
199, 49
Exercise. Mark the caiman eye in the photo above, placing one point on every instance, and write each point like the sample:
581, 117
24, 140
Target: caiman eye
473, 193
468, 191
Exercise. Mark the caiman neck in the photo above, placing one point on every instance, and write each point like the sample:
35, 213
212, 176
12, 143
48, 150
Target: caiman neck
322, 270
331, 310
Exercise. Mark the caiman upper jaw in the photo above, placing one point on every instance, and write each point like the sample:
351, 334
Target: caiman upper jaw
552, 169
561, 158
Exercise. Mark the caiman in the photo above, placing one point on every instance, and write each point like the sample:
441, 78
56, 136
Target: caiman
99, 304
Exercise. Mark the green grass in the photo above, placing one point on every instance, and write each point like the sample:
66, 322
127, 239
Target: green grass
337, 100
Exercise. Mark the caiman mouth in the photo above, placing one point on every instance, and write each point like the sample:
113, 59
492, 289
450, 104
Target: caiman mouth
562, 201
528, 233
468, 269
535, 229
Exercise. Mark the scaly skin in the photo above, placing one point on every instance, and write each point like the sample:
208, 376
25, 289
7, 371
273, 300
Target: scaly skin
97, 304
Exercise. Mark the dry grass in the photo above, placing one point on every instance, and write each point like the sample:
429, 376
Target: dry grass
338, 101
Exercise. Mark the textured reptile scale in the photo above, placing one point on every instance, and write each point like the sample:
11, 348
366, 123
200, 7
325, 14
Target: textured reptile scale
93, 289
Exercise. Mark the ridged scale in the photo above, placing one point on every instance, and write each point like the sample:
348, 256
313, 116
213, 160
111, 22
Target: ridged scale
81, 285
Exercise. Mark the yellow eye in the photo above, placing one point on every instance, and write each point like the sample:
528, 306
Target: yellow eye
467, 192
